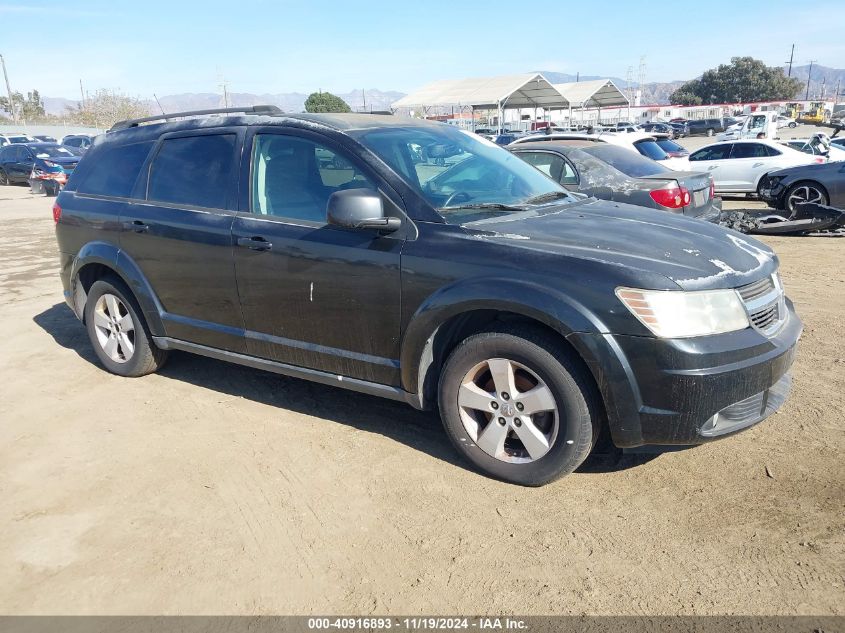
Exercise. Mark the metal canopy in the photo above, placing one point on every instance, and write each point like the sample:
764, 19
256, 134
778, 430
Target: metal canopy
599, 93
530, 90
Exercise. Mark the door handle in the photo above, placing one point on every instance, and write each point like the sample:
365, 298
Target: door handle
757, 164
256, 243
712, 167
137, 226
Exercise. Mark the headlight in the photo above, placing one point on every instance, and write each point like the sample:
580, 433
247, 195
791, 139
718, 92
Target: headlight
678, 314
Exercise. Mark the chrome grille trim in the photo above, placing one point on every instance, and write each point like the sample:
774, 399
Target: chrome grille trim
763, 301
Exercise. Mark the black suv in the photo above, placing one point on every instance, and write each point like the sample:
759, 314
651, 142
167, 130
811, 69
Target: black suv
709, 127
321, 246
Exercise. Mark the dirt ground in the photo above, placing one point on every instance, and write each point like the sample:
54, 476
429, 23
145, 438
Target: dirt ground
211, 488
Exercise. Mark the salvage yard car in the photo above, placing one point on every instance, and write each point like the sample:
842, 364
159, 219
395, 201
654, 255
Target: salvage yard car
739, 166
611, 172
537, 321
819, 184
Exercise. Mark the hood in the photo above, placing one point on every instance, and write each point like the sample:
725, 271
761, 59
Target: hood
692, 254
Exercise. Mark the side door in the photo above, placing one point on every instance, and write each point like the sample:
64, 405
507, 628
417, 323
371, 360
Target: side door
22, 165
715, 160
749, 161
177, 229
315, 295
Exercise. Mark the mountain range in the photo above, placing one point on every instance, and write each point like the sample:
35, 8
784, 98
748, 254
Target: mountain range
373, 99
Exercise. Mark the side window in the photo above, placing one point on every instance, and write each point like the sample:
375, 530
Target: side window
771, 151
72, 142
193, 170
550, 164
117, 170
293, 177
715, 152
749, 150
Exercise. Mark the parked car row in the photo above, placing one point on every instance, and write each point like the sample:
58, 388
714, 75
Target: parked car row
22, 162
79, 142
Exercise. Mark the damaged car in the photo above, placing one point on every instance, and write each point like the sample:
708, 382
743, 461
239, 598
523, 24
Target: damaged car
610, 172
787, 189
537, 321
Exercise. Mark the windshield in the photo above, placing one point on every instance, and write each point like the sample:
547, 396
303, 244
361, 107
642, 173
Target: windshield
51, 151
628, 162
465, 177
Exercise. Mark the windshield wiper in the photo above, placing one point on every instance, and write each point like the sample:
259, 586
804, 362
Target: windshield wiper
546, 197
485, 205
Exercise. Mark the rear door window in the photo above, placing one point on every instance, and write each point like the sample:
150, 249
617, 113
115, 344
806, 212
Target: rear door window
749, 150
193, 171
553, 165
117, 170
651, 149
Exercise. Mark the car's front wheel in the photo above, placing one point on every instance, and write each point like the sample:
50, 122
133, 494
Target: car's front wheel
802, 192
710, 131
518, 407
793, 124
4, 179
118, 332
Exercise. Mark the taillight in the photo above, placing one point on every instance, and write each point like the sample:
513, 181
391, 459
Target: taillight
672, 197
57, 212
820, 159
712, 189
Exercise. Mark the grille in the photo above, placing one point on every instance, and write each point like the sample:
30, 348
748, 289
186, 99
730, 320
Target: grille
756, 290
763, 301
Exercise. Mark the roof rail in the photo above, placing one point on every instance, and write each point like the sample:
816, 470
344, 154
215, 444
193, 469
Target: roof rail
256, 109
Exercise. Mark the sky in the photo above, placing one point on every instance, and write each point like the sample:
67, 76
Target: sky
262, 46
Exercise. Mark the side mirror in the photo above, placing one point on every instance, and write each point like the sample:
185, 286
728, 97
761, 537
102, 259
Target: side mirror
359, 209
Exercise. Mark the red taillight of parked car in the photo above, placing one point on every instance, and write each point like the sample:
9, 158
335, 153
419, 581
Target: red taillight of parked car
673, 197
57, 212
712, 189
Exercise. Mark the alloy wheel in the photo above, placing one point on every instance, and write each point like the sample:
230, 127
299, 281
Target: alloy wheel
508, 410
115, 328
802, 194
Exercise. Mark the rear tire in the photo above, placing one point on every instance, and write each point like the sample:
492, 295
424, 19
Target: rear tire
118, 331
4, 179
710, 131
516, 437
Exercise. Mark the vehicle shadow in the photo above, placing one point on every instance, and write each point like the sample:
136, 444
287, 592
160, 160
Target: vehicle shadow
420, 430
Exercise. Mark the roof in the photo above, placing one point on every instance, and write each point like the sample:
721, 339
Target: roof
526, 90
590, 94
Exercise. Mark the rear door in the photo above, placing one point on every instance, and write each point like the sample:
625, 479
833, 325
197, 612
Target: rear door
315, 295
749, 161
22, 163
179, 234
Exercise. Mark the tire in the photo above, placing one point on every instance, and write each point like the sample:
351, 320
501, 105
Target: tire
808, 191
566, 433
4, 179
124, 347
710, 131
793, 124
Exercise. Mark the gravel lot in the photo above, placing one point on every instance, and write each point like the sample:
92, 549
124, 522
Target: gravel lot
211, 488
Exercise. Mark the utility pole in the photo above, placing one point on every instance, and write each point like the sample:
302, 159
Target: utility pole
158, 102
809, 76
791, 55
82, 94
9, 91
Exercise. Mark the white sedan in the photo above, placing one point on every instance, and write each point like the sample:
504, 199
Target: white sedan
738, 166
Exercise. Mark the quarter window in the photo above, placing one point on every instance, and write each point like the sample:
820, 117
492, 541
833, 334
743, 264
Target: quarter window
193, 171
293, 177
117, 170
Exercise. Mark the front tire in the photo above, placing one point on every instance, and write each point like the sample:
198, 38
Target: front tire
118, 331
710, 131
802, 192
518, 407
793, 124
4, 179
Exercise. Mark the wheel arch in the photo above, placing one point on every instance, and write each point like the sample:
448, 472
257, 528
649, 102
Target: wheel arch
97, 260
448, 318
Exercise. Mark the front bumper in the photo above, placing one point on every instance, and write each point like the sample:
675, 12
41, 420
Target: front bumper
690, 391
772, 192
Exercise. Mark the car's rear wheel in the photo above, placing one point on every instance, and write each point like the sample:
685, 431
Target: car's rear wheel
518, 407
802, 192
4, 179
793, 124
118, 332
710, 131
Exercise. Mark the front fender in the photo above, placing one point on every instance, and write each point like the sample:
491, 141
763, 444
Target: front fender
547, 305
110, 256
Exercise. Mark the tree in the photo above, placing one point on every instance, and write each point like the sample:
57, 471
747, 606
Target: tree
325, 102
28, 109
744, 80
106, 108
